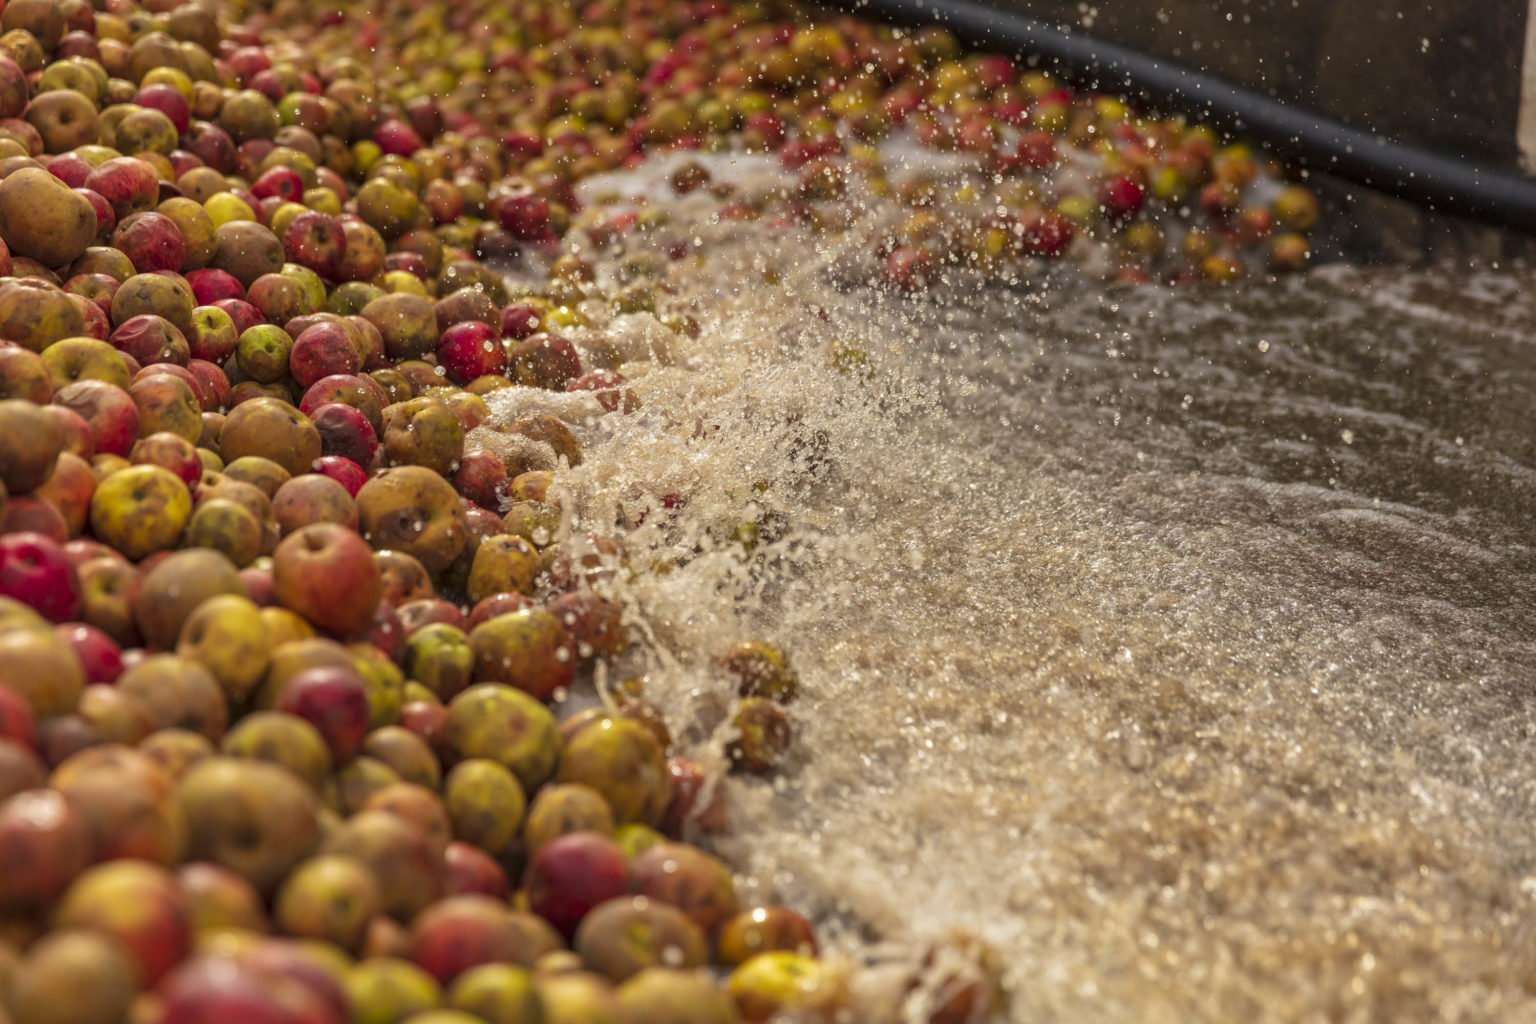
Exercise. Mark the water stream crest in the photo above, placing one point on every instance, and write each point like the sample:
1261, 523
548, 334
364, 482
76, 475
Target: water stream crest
1177, 642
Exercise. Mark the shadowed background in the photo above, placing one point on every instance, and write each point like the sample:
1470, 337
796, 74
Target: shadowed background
1446, 76
1442, 76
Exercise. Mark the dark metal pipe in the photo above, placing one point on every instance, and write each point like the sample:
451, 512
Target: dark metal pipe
1441, 183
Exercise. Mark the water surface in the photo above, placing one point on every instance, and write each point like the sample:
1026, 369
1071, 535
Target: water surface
1179, 642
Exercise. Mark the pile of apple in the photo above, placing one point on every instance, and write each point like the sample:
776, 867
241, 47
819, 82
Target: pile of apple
1049, 175
287, 621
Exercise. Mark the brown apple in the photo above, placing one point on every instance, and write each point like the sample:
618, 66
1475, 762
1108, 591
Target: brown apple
41, 217
127, 801
172, 590
221, 899
254, 818
528, 649
142, 905
30, 443
273, 430
312, 498
624, 936
414, 510
688, 878
406, 863
74, 975
180, 694
41, 667
423, 432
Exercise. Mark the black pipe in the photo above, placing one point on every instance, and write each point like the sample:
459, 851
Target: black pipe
1441, 183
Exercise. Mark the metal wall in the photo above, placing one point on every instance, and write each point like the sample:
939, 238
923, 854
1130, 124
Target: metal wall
1443, 74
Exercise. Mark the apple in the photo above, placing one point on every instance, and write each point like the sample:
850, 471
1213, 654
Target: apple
345, 433
254, 818
686, 877
221, 898
326, 573
335, 701
42, 668
30, 443
413, 510
764, 930
44, 844
140, 904
126, 799
214, 988
74, 975
572, 875
623, 936
227, 636
109, 587
473, 872
460, 933
111, 413
36, 571
101, 657
344, 471
274, 430
527, 649
406, 863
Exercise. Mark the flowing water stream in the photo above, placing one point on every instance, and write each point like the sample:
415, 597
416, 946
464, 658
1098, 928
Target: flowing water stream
1181, 643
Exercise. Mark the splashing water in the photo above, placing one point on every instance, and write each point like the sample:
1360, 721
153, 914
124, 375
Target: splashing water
1176, 642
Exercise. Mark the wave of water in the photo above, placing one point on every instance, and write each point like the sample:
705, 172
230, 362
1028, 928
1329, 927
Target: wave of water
1178, 642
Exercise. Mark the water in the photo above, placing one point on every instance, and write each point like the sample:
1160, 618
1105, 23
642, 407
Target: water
1177, 642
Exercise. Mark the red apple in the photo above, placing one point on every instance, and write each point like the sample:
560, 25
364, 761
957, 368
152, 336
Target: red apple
322, 350
472, 872
76, 432
100, 656
463, 932
112, 414
210, 286
169, 101
470, 349
482, 478
327, 574
335, 701
169, 451
343, 470
573, 874
17, 723
44, 844
35, 571
217, 989
346, 433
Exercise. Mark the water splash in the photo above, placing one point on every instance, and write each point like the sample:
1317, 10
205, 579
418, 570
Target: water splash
1176, 642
